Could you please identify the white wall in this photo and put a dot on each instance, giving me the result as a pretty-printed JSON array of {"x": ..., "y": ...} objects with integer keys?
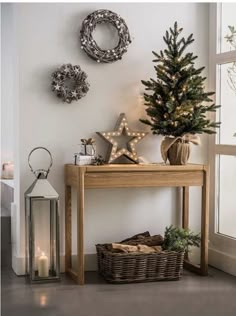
[
  {"x": 9, "y": 112},
  {"x": 7, "y": 85},
  {"x": 48, "y": 36}
]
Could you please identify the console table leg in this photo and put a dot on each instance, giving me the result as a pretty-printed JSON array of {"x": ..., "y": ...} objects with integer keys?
[
  {"x": 185, "y": 214},
  {"x": 68, "y": 230},
  {"x": 80, "y": 231},
  {"x": 185, "y": 211},
  {"x": 205, "y": 224}
]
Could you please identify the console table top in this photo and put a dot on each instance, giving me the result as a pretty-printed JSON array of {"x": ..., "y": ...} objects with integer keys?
[{"x": 138, "y": 167}]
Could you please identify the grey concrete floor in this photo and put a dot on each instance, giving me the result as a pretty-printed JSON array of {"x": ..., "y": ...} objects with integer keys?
[{"x": 193, "y": 295}]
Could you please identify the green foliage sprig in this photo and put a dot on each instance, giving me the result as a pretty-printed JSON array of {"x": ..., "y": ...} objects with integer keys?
[
  {"x": 176, "y": 102},
  {"x": 180, "y": 239},
  {"x": 230, "y": 37},
  {"x": 98, "y": 161}
]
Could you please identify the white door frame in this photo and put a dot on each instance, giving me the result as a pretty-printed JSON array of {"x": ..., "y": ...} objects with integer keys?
[{"x": 222, "y": 249}]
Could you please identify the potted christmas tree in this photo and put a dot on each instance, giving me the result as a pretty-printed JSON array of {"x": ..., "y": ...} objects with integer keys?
[{"x": 176, "y": 101}]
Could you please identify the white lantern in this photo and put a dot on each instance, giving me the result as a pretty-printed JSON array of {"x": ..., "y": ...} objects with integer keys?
[{"x": 42, "y": 227}]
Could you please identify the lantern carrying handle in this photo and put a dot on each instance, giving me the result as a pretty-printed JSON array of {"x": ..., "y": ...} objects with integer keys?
[{"x": 40, "y": 173}]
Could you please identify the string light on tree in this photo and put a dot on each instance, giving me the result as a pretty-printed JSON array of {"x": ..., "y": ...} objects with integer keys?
[{"x": 180, "y": 87}]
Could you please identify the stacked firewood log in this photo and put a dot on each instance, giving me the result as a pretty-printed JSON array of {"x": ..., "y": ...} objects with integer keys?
[{"x": 143, "y": 242}]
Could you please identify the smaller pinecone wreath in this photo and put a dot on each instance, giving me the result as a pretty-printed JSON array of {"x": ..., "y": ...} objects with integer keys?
[{"x": 78, "y": 85}]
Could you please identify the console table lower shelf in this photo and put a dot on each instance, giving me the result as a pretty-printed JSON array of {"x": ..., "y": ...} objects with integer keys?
[{"x": 135, "y": 176}]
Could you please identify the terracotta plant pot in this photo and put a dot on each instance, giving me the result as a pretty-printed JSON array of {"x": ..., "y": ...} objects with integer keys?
[{"x": 178, "y": 153}]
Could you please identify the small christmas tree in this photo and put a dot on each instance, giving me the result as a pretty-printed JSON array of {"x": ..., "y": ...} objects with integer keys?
[{"x": 176, "y": 105}]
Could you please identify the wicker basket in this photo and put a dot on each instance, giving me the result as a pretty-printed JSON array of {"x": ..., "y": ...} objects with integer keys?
[{"x": 139, "y": 267}]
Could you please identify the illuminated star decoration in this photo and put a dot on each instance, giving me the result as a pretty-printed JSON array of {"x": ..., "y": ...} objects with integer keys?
[{"x": 114, "y": 150}]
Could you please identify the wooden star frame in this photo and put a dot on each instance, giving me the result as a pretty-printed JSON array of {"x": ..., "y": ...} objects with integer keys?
[{"x": 122, "y": 128}]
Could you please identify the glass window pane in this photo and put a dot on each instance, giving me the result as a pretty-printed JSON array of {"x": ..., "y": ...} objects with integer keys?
[
  {"x": 228, "y": 27},
  {"x": 226, "y": 193},
  {"x": 226, "y": 95}
]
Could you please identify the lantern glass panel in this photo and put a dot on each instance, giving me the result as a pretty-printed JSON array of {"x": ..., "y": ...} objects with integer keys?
[
  {"x": 44, "y": 245},
  {"x": 27, "y": 222}
]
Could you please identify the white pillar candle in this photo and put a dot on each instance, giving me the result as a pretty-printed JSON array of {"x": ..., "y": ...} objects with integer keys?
[
  {"x": 43, "y": 266},
  {"x": 8, "y": 170}
]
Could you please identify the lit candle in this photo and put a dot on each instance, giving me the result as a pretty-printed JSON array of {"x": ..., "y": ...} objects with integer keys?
[
  {"x": 8, "y": 170},
  {"x": 43, "y": 266}
]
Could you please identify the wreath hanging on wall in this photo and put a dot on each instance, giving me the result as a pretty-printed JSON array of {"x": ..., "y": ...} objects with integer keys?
[
  {"x": 89, "y": 45},
  {"x": 69, "y": 83}
]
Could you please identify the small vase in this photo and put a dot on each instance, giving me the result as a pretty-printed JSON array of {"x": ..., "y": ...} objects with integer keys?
[{"x": 178, "y": 153}]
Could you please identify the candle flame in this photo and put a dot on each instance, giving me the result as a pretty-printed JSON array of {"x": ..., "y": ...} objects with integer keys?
[{"x": 43, "y": 253}]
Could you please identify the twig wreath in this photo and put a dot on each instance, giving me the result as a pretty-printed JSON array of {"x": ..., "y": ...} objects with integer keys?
[
  {"x": 69, "y": 83},
  {"x": 89, "y": 45}
]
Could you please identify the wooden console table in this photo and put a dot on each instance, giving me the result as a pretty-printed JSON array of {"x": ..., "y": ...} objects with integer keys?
[{"x": 135, "y": 176}]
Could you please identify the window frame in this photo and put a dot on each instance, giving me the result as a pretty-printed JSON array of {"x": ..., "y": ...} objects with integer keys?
[{"x": 223, "y": 243}]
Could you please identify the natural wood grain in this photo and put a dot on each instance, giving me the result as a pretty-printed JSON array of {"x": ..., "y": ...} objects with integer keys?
[
  {"x": 68, "y": 231},
  {"x": 143, "y": 167},
  {"x": 142, "y": 179},
  {"x": 80, "y": 219},
  {"x": 185, "y": 211},
  {"x": 205, "y": 223},
  {"x": 185, "y": 214},
  {"x": 111, "y": 176},
  {"x": 136, "y": 167},
  {"x": 71, "y": 175}
]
